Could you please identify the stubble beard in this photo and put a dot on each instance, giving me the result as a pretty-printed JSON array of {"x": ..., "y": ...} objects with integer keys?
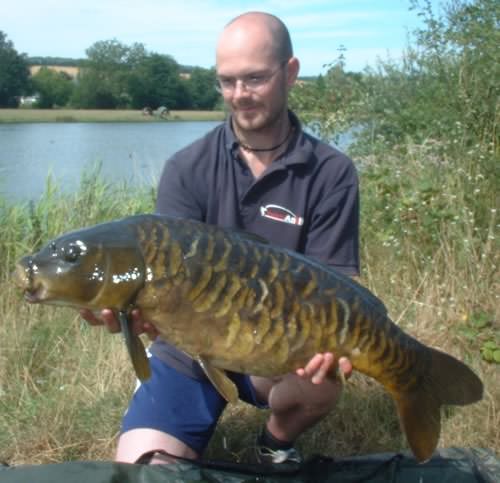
[
  {"x": 262, "y": 122},
  {"x": 269, "y": 111}
]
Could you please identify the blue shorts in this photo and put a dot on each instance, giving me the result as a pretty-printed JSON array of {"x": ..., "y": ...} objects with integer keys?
[{"x": 181, "y": 406}]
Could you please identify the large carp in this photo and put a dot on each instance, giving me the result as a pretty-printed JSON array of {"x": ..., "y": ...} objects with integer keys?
[{"x": 234, "y": 302}]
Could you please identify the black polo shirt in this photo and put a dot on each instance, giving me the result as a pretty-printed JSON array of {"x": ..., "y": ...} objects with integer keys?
[{"x": 307, "y": 200}]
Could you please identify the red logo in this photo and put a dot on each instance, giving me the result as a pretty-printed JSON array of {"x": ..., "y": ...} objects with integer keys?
[{"x": 278, "y": 213}]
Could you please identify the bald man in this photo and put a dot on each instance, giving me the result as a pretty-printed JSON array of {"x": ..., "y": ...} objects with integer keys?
[{"x": 259, "y": 172}]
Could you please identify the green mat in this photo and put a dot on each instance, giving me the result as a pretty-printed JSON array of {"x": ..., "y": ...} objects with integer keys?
[{"x": 454, "y": 465}]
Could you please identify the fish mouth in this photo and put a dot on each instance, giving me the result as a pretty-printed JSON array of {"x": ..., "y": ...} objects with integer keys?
[
  {"x": 31, "y": 298},
  {"x": 34, "y": 295},
  {"x": 32, "y": 287}
]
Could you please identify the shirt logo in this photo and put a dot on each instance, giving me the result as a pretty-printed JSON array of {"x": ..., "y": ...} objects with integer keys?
[{"x": 278, "y": 213}]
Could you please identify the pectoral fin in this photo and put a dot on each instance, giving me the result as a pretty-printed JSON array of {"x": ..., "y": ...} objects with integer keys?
[
  {"x": 135, "y": 348},
  {"x": 219, "y": 379}
]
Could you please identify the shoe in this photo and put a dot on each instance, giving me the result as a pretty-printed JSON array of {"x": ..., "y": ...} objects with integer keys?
[{"x": 280, "y": 456}]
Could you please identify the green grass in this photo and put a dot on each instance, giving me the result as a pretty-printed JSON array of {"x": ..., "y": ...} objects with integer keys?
[
  {"x": 64, "y": 385},
  {"x": 95, "y": 115}
]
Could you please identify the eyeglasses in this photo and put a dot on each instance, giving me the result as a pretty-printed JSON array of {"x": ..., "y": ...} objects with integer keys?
[{"x": 251, "y": 82}]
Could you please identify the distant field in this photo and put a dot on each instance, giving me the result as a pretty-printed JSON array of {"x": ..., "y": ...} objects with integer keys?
[
  {"x": 95, "y": 115},
  {"x": 70, "y": 70}
]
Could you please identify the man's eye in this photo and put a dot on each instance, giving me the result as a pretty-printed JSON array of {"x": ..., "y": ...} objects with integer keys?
[
  {"x": 254, "y": 80},
  {"x": 227, "y": 82}
]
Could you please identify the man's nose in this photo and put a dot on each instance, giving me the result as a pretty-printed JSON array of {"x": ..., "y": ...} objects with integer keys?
[{"x": 240, "y": 89}]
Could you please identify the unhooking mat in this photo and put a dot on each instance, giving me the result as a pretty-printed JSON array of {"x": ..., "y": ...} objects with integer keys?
[{"x": 452, "y": 465}]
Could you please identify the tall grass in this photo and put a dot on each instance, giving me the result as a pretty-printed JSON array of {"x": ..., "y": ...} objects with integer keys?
[
  {"x": 65, "y": 385},
  {"x": 62, "y": 385}
]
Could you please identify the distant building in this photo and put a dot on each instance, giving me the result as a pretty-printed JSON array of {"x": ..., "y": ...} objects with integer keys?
[{"x": 29, "y": 101}]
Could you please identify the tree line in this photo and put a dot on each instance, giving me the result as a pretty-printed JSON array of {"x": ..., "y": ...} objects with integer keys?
[
  {"x": 112, "y": 76},
  {"x": 446, "y": 81}
]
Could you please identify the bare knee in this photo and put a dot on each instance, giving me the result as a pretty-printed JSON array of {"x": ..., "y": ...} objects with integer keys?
[
  {"x": 134, "y": 443},
  {"x": 294, "y": 392}
]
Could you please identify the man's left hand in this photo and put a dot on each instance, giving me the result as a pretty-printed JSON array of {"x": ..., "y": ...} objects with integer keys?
[{"x": 318, "y": 367}]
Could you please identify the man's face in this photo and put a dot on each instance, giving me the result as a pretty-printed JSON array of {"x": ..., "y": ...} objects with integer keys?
[{"x": 254, "y": 83}]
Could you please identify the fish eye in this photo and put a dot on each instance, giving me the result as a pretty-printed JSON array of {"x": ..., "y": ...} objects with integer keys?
[{"x": 72, "y": 253}]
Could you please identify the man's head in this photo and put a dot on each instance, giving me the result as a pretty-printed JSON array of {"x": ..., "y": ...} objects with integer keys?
[{"x": 256, "y": 69}]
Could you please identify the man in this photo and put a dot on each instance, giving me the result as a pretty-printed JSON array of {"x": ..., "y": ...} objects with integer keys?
[{"x": 261, "y": 173}]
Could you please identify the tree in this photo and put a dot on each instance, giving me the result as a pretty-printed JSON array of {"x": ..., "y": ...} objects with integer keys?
[
  {"x": 447, "y": 83},
  {"x": 92, "y": 92},
  {"x": 468, "y": 33},
  {"x": 54, "y": 88},
  {"x": 155, "y": 81},
  {"x": 118, "y": 76},
  {"x": 201, "y": 87},
  {"x": 14, "y": 73},
  {"x": 103, "y": 80},
  {"x": 326, "y": 103}
]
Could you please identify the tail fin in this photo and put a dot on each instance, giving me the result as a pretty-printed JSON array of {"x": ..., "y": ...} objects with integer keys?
[
  {"x": 453, "y": 381},
  {"x": 448, "y": 381}
]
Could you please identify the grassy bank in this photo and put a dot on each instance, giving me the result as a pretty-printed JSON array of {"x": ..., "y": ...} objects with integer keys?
[
  {"x": 95, "y": 115},
  {"x": 429, "y": 250}
]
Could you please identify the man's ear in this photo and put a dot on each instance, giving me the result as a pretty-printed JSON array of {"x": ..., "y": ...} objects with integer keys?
[{"x": 292, "y": 70}]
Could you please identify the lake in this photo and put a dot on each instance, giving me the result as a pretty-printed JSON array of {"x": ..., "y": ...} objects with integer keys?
[
  {"x": 132, "y": 152},
  {"x": 135, "y": 152}
]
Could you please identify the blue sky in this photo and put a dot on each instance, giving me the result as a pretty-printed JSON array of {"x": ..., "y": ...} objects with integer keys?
[{"x": 188, "y": 29}]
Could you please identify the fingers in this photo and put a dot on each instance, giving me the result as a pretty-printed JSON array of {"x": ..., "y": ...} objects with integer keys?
[
  {"x": 317, "y": 368},
  {"x": 320, "y": 365},
  {"x": 140, "y": 326},
  {"x": 106, "y": 317},
  {"x": 110, "y": 321},
  {"x": 345, "y": 367},
  {"x": 89, "y": 317}
]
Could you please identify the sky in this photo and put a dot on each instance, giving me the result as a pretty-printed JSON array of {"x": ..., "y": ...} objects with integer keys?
[{"x": 188, "y": 29}]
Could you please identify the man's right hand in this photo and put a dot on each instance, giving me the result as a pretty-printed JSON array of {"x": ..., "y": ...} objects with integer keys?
[{"x": 108, "y": 319}]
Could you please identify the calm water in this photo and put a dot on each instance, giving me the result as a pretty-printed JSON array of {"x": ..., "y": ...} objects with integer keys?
[{"x": 135, "y": 152}]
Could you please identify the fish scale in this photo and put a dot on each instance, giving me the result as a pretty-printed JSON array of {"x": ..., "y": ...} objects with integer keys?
[
  {"x": 234, "y": 302},
  {"x": 206, "y": 291}
]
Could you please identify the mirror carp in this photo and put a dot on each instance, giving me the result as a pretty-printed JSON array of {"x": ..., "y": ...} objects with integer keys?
[{"x": 234, "y": 302}]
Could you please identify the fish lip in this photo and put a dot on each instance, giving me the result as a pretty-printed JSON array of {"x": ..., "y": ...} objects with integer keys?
[
  {"x": 33, "y": 295},
  {"x": 31, "y": 298}
]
